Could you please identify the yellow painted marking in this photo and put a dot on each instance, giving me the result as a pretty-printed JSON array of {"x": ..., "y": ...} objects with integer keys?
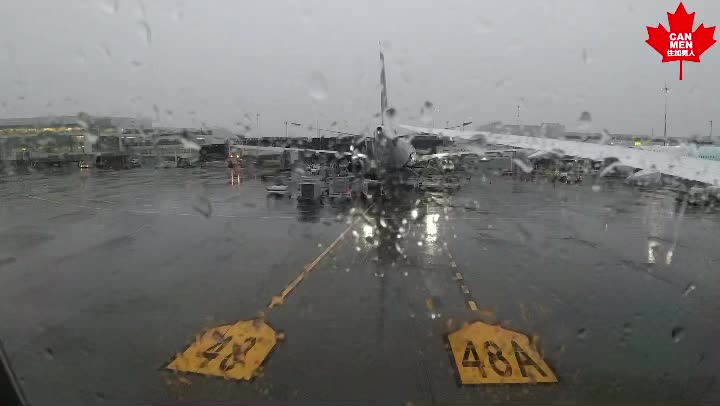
[
  {"x": 486, "y": 354},
  {"x": 280, "y": 299},
  {"x": 232, "y": 351},
  {"x": 465, "y": 289},
  {"x": 458, "y": 276},
  {"x": 472, "y": 305}
]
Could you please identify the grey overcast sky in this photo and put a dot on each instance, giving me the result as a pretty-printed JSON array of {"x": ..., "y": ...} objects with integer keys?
[{"x": 214, "y": 62}]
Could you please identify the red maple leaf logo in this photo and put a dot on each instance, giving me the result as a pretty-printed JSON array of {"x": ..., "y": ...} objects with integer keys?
[{"x": 681, "y": 43}]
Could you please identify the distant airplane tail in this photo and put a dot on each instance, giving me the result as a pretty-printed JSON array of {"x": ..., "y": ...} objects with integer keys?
[{"x": 383, "y": 88}]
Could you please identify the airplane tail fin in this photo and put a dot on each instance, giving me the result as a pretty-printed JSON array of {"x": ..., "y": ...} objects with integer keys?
[{"x": 383, "y": 88}]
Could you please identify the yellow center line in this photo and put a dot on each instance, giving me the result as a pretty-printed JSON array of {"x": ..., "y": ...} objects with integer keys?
[{"x": 280, "y": 299}]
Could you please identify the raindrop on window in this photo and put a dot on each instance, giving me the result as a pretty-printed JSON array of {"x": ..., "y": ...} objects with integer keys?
[
  {"x": 582, "y": 334},
  {"x": 106, "y": 51},
  {"x": 49, "y": 353},
  {"x": 109, "y": 6},
  {"x": 145, "y": 32},
  {"x": 689, "y": 289},
  {"x": 586, "y": 57},
  {"x": 606, "y": 137},
  {"x": 525, "y": 167},
  {"x": 585, "y": 121},
  {"x": 80, "y": 57},
  {"x": 141, "y": 9},
  {"x": 677, "y": 333},
  {"x": 596, "y": 188},
  {"x": 482, "y": 26},
  {"x": 306, "y": 15},
  {"x": 317, "y": 86},
  {"x": 202, "y": 205}
]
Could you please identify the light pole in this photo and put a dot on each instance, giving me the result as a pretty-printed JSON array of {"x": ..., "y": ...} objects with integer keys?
[
  {"x": 435, "y": 110},
  {"x": 666, "y": 90},
  {"x": 286, "y": 127}
]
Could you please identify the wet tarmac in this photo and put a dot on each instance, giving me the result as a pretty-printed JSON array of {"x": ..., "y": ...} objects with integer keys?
[{"x": 105, "y": 276}]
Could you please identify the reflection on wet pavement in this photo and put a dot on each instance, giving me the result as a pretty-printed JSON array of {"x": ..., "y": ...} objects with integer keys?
[{"x": 117, "y": 274}]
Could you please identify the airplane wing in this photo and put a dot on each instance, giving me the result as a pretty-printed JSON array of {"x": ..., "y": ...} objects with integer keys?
[
  {"x": 278, "y": 150},
  {"x": 686, "y": 167}
]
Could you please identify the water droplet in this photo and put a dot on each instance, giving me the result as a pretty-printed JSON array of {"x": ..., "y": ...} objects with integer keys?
[
  {"x": 606, "y": 137},
  {"x": 677, "y": 333},
  {"x": 689, "y": 289},
  {"x": 482, "y": 26},
  {"x": 145, "y": 32},
  {"x": 585, "y": 121},
  {"x": 627, "y": 328},
  {"x": 390, "y": 113},
  {"x": 582, "y": 334},
  {"x": 80, "y": 57},
  {"x": 49, "y": 353},
  {"x": 141, "y": 11},
  {"x": 202, "y": 205},
  {"x": 427, "y": 105},
  {"x": 109, "y": 6},
  {"x": 527, "y": 168},
  {"x": 320, "y": 245},
  {"x": 136, "y": 64},
  {"x": 318, "y": 87},
  {"x": 586, "y": 57},
  {"x": 99, "y": 396},
  {"x": 419, "y": 243},
  {"x": 357, "y": 248},
  {"x": 188, "y": 144},
  {"x": 106, "y": 51},
  {"x": 405, "y": 273},
  {"x": 596, "y": 188},
  {"x": 306, "y": 15},
  {"x": 414, "y": 214}
]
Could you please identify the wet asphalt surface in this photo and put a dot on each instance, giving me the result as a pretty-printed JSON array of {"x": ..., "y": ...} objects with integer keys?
[{"x": 105, "y": 276}]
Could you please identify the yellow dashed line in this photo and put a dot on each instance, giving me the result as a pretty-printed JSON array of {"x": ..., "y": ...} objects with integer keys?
[{"x": 472, "y": 305}]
